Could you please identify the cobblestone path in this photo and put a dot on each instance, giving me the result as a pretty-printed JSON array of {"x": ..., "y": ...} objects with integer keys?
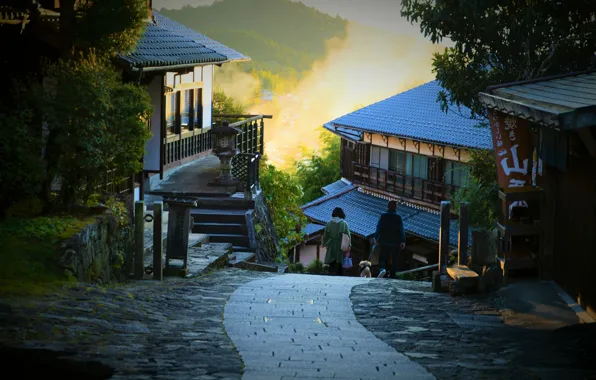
[
  {"x": 300, "y": 326},
  {"x": 438, "y": 331},
  {"x": 147, "y": 330}
]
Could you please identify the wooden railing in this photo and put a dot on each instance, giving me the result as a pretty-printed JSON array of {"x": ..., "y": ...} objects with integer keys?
[
  {"x": 252, "y": 138},
  {"x": 187, "y": 146},
  {"x": 115, "y": 182},
  {"x": 401, "y": 184}
]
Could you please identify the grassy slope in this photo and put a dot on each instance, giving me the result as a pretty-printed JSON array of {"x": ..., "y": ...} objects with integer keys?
[
  {"x": 276, "y": 34},
  {"x": 29, "y": 255}
]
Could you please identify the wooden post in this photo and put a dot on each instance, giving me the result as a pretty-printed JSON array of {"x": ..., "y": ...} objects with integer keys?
[
  {"x": 139, "y": 266},
  {"x": 158, "y": 241},
  {"x": 444, "y": 236},
  {"x": 462, "y": 241},
  {"x": 318, "y": 250}
]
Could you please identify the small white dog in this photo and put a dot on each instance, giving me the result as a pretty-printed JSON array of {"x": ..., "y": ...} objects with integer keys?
[{"x": 365, "y": 268}]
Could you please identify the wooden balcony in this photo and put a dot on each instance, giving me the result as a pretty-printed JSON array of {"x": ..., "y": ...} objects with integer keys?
[
  {"x": 401, "y": 184},
  {"x": 191, "y": 144}
]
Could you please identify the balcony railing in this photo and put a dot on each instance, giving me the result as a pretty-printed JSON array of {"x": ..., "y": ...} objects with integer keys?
[
  {"x": 401, "y": 184},
  {"x": 252, "y": 138},
  {"x": 186, "y": 146}
]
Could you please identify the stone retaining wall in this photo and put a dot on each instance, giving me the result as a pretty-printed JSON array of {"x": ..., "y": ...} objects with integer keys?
[
  {"x": 97, "y": 253},
  {"x": 265, "y": 237}
]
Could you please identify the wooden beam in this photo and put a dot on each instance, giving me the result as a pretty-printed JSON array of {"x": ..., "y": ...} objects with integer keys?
[
  {"x": 416, "y": 145},
  {"x": 431, "y": 147},
  {"x": 587, "y": 137},
  {"x": 441, "y": 150},
  {"x": 444, "y": 235},
  {"x": 402, "y": 142},
  {"x": 462, "y": 240}
]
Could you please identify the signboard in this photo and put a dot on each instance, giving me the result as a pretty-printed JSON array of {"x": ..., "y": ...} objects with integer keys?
[{"x": 512, "y": 142}]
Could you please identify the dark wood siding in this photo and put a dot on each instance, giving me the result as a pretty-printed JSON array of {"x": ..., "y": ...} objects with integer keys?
[{"x": 570, "y": 226}]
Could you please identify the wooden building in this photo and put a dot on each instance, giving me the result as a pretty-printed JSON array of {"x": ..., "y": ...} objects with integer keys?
[
  {"x": 404, "y": 148},
  {"x": 176, "y": 64},
  {"x": 556, "y": 159}
]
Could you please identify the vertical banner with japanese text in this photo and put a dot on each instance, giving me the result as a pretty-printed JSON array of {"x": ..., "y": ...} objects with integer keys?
[{"x": 512, "y": 143}]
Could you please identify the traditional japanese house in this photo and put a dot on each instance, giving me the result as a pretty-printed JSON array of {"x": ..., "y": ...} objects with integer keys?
[
  {"x": 404, "y": 148},
  {"x": 176, "y": 64},
  {"x": 545, "y": 136}
]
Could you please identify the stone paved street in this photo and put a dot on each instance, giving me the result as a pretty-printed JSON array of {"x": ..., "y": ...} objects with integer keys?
[
  {"x": 148, "y": 330},
  {"x": 300, "y": 326},
  {"x": 438, "y": 332},
  {"x": 282, "y": 326}
]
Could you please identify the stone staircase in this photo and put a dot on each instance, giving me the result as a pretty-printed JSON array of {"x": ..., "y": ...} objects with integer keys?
[{"x": 224, "y": 220}]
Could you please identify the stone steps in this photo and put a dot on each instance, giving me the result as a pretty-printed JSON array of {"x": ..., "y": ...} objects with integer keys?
[
  {"x": 210, "y": 215},
  {"x": 225, "y": 203},
  {"x": 222, "y": 228},
  {"x": 234, "y": 239}
]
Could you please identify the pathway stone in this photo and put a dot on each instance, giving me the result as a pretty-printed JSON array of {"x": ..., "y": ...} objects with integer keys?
[
  {"x": 146, "y": 330},
  {"x": 466, "y": 337},
  {"x": 301, "y": 326}
]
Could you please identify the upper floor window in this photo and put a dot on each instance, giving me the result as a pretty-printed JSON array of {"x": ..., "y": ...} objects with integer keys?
[
  {"x": 456, "y": 173},
  {"x": 410, "y": 164},
  {"x": 189, "y": 99}
]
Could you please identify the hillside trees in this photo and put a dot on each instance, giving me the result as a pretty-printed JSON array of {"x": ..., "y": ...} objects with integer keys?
[{"x": 319, "y": 168}]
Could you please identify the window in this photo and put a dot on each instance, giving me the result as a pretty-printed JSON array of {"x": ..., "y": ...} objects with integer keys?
[
  {"x": 456, "y": 173},
  {"x": 420, "y": 166},
  {"x": 185, "y": 114},
  {"x": 410, "y": 164},
  {"x": 170, "y": 109},
  {"x": 375, "y": 156},
  {"x": 398, "y": 161}
]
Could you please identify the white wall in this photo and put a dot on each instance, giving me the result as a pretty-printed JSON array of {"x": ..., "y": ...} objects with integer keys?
[
  {"x": 151, "y": 159},
  {"x": 207, "y": 95}
]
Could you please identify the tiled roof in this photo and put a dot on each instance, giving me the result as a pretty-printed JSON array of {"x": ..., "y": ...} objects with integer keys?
[
  {"x": 337, "y": 186},
  {"x": 416, "y": 114},
  {"x": 363, "y": 211},
  {"x": 167, "y": 43},
  {"x": 346, "y": 133},
  {"x": 199, "y": 38},
  {"x": 312, "y": 228},
  {"x": 551, "y": 102}
]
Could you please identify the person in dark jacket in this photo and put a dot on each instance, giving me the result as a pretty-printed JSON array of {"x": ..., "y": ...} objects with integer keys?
[{"x": 391, "y": 238}]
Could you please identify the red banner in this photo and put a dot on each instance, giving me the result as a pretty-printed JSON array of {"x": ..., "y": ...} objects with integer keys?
[{"x": 512, "y": 144}]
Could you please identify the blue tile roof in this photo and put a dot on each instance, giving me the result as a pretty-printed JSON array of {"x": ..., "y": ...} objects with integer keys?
[
  {"x": 199, "y": 38},
  {"x": 337, "y": 186},
  {"x": 167, "y": 43},
  {"x": 312, "y": 228},
  {"x": 346, "y": 133},
  {"x": 363, "y": 211},
  {"x": 416, "y": 114}
]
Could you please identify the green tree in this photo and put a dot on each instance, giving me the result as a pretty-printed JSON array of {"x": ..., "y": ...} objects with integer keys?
[
  {"x": 503, "y": 41},
  {"x": 321, "y": 168},
  {"x": 226, "y": 105},
  {"x": 95, "y": 123},
  {"x": 480, "y": 190},
  {"x": 107, "y": 27},
  {"x": 283, "y": 195}
]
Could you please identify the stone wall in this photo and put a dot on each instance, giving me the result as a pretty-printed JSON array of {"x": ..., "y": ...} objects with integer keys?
[
  {"x": 266, "y": 241},
  {"x": 96, "y": 254}
]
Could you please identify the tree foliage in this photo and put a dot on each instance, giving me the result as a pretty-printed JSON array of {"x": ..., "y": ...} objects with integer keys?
[
  {"x": 226, "y": 105},
  {"x": 95, "y": 123},
  {"x": 75, "y": 118},
  {"x": 503, "y": 41},
  {"x": 283, "y": 195},
  {"x": 110, "y": 26},
  {"x": 318, "y": 169},
  {"x": 480, "y": 191}
]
